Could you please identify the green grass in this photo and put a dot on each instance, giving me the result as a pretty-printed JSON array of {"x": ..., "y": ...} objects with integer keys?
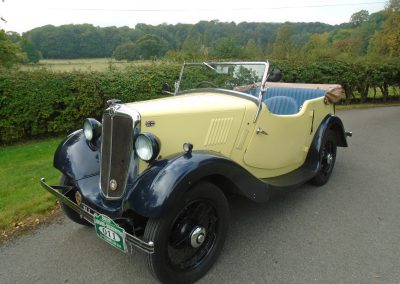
[
  {"x": 21, "y": 167},
  {"x": 85, "y": 65},
  {"x": 368, "y": 105}
]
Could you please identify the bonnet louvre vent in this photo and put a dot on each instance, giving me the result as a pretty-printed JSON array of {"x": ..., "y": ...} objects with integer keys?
[{"x": 218, "y": 131}]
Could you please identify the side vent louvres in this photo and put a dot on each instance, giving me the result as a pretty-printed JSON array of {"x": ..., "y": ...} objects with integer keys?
[{"x": 218, "y": 131}]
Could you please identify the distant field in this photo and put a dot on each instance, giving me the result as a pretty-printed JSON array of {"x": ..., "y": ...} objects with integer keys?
[{"x": 93, "y": 64}]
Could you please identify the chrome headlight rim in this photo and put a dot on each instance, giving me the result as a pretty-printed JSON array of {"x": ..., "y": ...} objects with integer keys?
[
  {"x": 91, "y": 129},
  {"x": 152, "y": 143}
]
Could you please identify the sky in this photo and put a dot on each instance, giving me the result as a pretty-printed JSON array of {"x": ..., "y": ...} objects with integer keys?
[{"x": 24, "y": 15}]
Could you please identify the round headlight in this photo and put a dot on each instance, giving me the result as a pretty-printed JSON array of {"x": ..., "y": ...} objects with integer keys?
[
  {"x": 91, "y": 129},
  {"x": 147, "y": 146}
]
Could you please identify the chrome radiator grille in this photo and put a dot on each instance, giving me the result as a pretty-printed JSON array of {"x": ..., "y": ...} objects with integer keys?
[{"x": 116, "y": 153}]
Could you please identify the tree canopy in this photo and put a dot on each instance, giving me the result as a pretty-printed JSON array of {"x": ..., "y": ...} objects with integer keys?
[{"x": 365, "y": 35}]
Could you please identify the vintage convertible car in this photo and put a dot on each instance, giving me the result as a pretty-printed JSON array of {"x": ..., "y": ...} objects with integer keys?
[{"x": 155, "y": 175}]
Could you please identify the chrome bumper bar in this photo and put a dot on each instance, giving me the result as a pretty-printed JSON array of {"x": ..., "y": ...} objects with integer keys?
[{"x": 88, "y": 214}]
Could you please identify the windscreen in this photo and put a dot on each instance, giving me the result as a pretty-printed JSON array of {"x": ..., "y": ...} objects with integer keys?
[{"x": 230, "y": 76}]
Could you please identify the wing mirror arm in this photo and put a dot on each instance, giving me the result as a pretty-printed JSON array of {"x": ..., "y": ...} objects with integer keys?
[{"x": 166, "y": 90}]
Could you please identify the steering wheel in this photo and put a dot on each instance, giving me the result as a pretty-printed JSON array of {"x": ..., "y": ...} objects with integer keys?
[{"x": 206, "y": 82}]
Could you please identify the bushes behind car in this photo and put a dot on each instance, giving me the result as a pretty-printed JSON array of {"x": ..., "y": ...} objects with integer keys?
[{"x": 44, "y": 103}]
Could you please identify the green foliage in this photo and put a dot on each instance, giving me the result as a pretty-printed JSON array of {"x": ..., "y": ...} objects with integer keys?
[
  {"x": 225, "y": 48},
  {"x": 147, "y": 47},
  {"x": 126, "y": 51},
  {"x": 9, "y": 51},
  {"x": 387, "y": 41},
  {"x": 150, "y": 46},
  {"x": 284, "y": 46},
  {"x": 393, "y": 5},
  {"x": 33, "y": 55},
  {"x": 88, "y": 41},
  {"x": 359, "y": 17},
  {"x": 43, "y": 103}
]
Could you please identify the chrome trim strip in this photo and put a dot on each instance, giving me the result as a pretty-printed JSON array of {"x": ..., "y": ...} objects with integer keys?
[
  {"x": 111, "y": 152},
  {"x": 88, "y": 215}
]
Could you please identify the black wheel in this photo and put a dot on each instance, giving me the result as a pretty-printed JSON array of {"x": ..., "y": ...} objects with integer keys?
[
  {"x": 71, "y": 214},
  {"x": 328, "y": 158},
  {"x": 188, "y": 240},
  {"x": 206, "y": 83}
]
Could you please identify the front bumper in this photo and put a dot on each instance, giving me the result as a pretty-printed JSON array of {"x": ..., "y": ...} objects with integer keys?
[{"x": 88, "y": 214}]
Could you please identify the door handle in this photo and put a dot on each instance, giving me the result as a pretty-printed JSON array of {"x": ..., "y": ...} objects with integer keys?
[{"x": 261, "y": 131}]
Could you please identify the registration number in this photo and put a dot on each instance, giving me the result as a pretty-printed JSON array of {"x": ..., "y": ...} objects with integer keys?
[{"x": 110, "y": 232}]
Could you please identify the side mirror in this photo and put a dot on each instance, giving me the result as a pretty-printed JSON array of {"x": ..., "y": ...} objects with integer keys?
[
  {"x": 166, "y": 90},
  {"x": 275, "y": 75}
]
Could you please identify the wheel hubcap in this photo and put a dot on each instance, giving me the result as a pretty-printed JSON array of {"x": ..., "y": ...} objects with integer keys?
[
  {"x": 197, "y": 236},
  {"x": 329, "y": 159}
]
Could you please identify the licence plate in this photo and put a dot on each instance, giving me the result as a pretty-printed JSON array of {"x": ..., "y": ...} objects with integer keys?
[{"x": 110, "y": 232}]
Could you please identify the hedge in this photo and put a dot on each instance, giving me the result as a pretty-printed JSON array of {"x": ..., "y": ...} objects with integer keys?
[{"x": 44, "y": 103}]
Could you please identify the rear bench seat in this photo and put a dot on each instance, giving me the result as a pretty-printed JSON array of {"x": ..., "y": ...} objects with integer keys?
[{"x": 286, "y": 101}]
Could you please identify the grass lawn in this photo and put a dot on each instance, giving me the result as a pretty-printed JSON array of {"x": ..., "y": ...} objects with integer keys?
[
  {"x": 85, "y": 65},
  {"x": 21, "y": 167}
]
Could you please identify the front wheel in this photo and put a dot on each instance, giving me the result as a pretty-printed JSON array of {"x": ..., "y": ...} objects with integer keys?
[
  {"x": 327, "y": 161},
  {"x": 189, "y": 238}
]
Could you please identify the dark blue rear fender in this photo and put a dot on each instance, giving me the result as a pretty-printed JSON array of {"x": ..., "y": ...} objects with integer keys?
[
  {"x": 335, "y": 124},
  {"x": 158, "y": 187},
  {"x": 75, "y": 158}
]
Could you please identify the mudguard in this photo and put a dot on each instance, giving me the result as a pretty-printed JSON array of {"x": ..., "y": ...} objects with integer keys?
[
  {"x": 312, "y": 163},
  {"x": 165, "y": 181},
  {"x": 76, "y": 158}
]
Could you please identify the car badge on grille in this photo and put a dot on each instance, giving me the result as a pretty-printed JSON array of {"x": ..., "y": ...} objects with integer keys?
[
  {"x": 150, "y": 123},
  {"x": 113, "y": 185},
  {"x": 78, "y": 198}
]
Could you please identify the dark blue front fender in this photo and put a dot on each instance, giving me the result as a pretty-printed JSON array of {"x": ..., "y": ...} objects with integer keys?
[
  {"x": 165, "y": 181},
  {"x": 75, "y": 158}
]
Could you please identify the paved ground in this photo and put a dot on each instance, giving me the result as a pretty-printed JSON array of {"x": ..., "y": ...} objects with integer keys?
[{"x": 345, "y": 232}]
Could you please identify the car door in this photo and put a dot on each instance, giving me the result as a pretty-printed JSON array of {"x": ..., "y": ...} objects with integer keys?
[{"x": 279, "y": 141}]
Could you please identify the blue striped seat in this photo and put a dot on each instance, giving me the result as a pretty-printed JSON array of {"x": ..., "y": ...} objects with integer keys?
[
  {"x": 300, "y": 95},
  {"x": 282, "y": 105}
]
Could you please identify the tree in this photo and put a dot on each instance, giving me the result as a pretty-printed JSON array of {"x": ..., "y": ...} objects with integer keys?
[
  {"x": 225, "y": 47},
  {"x": 9, "y": 51},
  {"x": 318, "y": 47},
  {"x": 393, "y": 5},
  {"x": 32, "y": 54},
  {"x": 126, "y": 51},
  {"x": 283, "y": 46},
  {"x": 359, "y": 17},
  {"x": 252, "y": 50},
  {"x": 150, "y": 46},
  {"x": 387, "y": 41},
  {"x": 192, "y": 47}
]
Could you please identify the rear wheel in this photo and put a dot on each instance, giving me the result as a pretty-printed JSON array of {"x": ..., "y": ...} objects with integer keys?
[
  {"x": 328, "y": 158},
  {"x": 188, "y": 240},
  {"x": 71, "y": 214}
]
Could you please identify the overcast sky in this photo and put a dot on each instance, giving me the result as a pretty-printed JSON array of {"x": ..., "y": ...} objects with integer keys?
[{"x": 23, "y": 15}]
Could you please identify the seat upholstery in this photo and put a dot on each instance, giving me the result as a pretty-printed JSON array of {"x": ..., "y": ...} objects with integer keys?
[
  {"x": 282, "y": 105},
  {"x": 300, "y": 95}
]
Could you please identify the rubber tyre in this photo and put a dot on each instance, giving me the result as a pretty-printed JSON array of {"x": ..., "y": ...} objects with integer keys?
[
  {"x": 158, "y": 231},
  {"x": 323, "y": 175},
  {"x": 71, "y": 214}
]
